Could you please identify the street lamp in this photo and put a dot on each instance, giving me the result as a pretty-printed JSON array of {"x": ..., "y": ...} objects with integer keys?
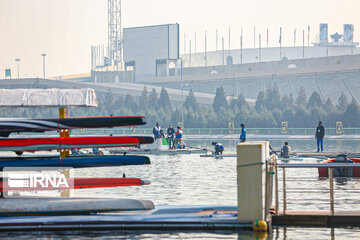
[
  {"x": 182, "y": 93},
  {"x": 43, "y": 55},
  {"x": 17, "y": 61}
]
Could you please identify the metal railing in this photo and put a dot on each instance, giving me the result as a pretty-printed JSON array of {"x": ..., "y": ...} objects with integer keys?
[
  {"x": 329, "y": 166},
  {"x": 216, "y": 131}
]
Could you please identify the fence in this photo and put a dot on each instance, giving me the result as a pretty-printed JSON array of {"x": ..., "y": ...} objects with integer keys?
[
  {"x": 217, "y": 131},
  {"x": 309, "y": 192}
]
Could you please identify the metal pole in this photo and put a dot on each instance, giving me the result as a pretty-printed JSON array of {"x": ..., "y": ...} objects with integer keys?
[
  {"x": 182, "y": 93},
  {"x": 303, "y": 44},
  {"x": 284, "y": 192},
  {"x": 216, "y": 39},
  {"x": 330, "y": 173},
  {"x": 17, "y": 61},
  {"x": 260, "y": 47},
  {"x": 223, "y": 51},
  {"x": 205, "y": 50},
  {"x": 43, "y": 55},
  {"x": 241, "y": 46},
  {"x": 277, "y": 190}
]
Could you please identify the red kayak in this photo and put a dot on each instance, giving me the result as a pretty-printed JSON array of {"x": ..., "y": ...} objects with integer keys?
[
  {"x": 38, "y": 144},
  {"x": 341, "y": 172},
  {"x": 79, "y": 183}
]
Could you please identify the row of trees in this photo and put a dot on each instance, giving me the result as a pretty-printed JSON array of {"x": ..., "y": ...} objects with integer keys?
[{"x": 269, "y": 110}]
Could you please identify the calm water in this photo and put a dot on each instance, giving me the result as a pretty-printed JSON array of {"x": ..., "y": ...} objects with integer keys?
[{"x": 192, "y": 180}]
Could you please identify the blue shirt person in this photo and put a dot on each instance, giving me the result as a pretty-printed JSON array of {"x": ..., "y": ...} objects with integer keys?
[{"x": 243, "y": 133}]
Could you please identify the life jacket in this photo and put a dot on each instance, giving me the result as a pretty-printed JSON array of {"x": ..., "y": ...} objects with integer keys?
[
  {"x": 219, "y": 147},
  {"x": 285, "y": 151},
  {"x": 179, "y": 133},
  {"x": 157, "y": 131}
]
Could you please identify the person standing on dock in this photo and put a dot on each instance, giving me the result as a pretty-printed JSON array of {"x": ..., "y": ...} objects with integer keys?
[
  {"x": 319, "y": 135},
  {"x": 157, "y": 131},
  {"x": 178, "y": 136},
  {"x": 171, "y": 136},
  {"x": 243, "y": 133}
]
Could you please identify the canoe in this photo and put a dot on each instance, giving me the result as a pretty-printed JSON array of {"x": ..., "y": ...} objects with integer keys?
[
  {"x": 75, "y": 161},
  {"x": 56, "y": 143},
  {"x": 69, "y": 206},
  {"x": 9, "y": 125},
  {"x": 341, "y": 172},
  {"x": 76, "y": 183}
]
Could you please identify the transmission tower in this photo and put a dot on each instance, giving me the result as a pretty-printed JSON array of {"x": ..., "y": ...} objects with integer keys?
[{"x": 114, "y": 31}]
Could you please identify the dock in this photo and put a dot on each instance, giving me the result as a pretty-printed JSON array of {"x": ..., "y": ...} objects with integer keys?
[
  {"x": 158, "y": 151},
  {"x": 161, "y": 218},
  {"x": 317, "y": 218}
]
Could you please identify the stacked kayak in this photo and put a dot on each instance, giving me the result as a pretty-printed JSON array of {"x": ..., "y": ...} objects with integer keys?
[{"x": 69, "y": 206}]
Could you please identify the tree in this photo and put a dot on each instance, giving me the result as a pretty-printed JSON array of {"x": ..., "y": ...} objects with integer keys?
[
  {"x": 301, "y": 98},
  {"x": 329, "y": 107},
  {"x": 153, "y": 98},
  {"x": 164, "y": 100},
  {"x": 272, "y": 97},
  {"x": 315, "y": 100},
  {"x": 352, "y": 114},
  {"x": 260, "y": 101},
  {"x": 109, "y": 100},
  {"x": 191, "y": 102},
  {"x": 343, "y": 103},
  {"x": 130, "y": 103},
  {"x": 220, "y": 101},
  {"x": 143, "y": 100}
]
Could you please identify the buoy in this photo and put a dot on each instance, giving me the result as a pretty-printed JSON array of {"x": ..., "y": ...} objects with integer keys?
[{"x": 259, "y": 226}]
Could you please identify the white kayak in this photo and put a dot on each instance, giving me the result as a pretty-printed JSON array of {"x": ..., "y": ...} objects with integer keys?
[{"x": 65, "y": 206}]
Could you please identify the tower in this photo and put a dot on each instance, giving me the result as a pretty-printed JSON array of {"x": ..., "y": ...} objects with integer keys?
[{"x": 114, "y": 32}]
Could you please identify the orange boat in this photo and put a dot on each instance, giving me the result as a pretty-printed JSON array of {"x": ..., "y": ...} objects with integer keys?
[{"x": 341, "y": 172}]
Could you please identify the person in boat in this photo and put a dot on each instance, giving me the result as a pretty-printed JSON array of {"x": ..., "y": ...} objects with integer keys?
[
  {"x": 178, "y": 135},
  {"x": 181, "y": 145},
  {"x": 319, "y": 136},
  {"x": 75, "y": 151},
  {"x": 219, "y": 148},
  {"x": 157, "y": 131},
  {"x": 243, "y": 133},
  {"x": 171, "y": 136},
  {"x": 285, "y": 150},
  {"x": 97, "y": 151}
]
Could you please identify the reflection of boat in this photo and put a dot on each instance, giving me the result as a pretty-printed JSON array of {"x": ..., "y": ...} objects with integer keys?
[{"x": 341, "y": 172}]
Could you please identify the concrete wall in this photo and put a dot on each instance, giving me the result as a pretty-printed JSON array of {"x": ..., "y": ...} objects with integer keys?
[
  {"x": 252, "y": 55},
  {"x": 277, "y": 68}
]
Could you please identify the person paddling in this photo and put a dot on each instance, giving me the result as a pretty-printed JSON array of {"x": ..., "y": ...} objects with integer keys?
[{"x": 285, "y": 150}]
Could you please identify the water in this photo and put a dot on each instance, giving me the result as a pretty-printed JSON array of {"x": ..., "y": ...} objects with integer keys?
[{"x": 192, "y": 180}]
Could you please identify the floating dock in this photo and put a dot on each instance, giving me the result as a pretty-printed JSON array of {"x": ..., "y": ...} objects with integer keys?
[
  {"x": 161, "y": 218},
  {"x": 158, "y": 151},
  {"x": 317, "y": 218}
]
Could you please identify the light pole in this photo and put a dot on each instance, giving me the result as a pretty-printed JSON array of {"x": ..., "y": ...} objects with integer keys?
[
  {"x": 17, "y": 61},
  {"x": 43, "y": 55},
  {"x": 182, "y": 93}
]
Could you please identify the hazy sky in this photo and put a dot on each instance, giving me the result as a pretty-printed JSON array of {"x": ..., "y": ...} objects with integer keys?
[{"x": 65, "y": 29}]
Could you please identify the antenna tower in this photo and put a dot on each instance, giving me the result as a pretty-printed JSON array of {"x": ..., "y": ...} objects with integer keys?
[{"x": 114, "y": 31}]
